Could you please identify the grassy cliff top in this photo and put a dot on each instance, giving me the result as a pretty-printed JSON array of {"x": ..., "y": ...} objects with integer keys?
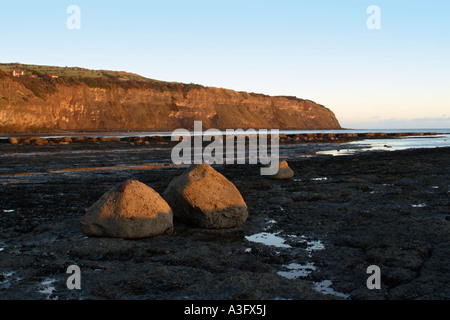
[
  {"x": 94, "y": 78},
  {"x": 30, "y": 69}
]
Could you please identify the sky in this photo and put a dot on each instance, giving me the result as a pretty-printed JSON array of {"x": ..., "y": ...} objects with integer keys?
[{"x": 381, "y": 69}]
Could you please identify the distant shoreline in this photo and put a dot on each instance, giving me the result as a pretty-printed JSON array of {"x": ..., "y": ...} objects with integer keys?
[{"x": 367, "y": 133}]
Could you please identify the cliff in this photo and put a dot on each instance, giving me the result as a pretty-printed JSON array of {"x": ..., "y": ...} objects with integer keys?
[{"x": 101, "y": 104}]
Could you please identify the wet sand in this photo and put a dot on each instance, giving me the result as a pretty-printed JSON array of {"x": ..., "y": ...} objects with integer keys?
[{"x": 311, "y": 237}]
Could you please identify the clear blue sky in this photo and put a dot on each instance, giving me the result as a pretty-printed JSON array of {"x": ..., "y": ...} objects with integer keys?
[{"x": 394, "y": 77}]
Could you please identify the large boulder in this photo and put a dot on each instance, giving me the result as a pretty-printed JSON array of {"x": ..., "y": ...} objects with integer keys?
[
  {"x": 130, "y": 210},
  {"x": 203, "y": 197},
  {"x": 284, "y": 172}
]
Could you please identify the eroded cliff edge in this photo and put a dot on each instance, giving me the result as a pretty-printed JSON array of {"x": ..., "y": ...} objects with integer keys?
[{"x": 81, "y": 104}]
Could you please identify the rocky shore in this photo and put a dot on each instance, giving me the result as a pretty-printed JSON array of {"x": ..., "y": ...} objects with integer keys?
[
  {"x": 312, "y": 236},
  {"x": 20, "y": 139}
]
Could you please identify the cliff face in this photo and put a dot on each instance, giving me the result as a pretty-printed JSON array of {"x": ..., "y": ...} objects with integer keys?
[{"x": 28, "y": 105}]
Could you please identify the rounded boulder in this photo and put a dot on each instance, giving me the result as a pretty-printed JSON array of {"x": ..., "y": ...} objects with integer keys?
[
  {"x": 130, "y": 210},
  {"x": 203, "y": 197},
  {"x": 284, "y": 172}
]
